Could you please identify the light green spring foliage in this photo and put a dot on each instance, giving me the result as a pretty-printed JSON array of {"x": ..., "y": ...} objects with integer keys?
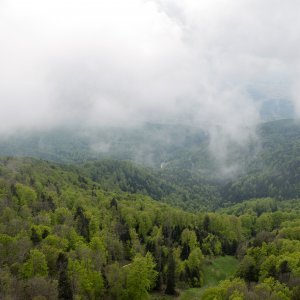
[
  {"x": 36, "y": 265},
  {"x": 194, "y": 265},
  {"x": 25, "y": 195},
  {"x": 211, "y": 245},
  {"x": 140, "y": 277},
  {"x": 189, "y": 238},
  {"x": 227, "y": 289},
  {"x": 134, "y": 280},
  {"x": 87, "y": 281},
  {"x": 115, "y": 245}
]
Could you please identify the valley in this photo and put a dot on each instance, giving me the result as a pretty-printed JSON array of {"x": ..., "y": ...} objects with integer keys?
[{"x": 115, "y": 229}]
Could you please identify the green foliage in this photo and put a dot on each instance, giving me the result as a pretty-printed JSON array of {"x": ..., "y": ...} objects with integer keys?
[
  {"x": 25, "y": 195},
  {"x": 36, "y": 265},
  {"x": 87, "y": 281},
  {"x": 218, "y": 269},
  {"x": 211, "y": 245},
  {"x": 188, "y": 237},
  {"x": 193, "y": 267},
  {"x": 227, "y": 289},
  {"x": 64, "y": 286},
  {"x": 63, "y": 236},
  {"x": 273, "y": 289},
  {"x": 185, "y": 173},
  {"x": 171, "y": 280},
  {"x": 82, "y": 223},
  {"x": 248, "y": 269},
  {"x": 179, "y": 188},
  {"x": 141, "y": 277}
]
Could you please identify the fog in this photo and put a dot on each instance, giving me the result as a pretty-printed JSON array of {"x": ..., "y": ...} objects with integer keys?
[{"x": 90, "y": 64}]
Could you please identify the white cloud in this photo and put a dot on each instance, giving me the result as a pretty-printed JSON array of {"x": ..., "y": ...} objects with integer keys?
[{"x": 121, "y": 62}]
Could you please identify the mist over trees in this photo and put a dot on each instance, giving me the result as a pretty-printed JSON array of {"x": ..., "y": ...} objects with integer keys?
[{"x": 149, "y": 150}]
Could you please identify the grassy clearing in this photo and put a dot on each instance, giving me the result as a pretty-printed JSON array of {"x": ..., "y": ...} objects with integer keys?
[
  {"x": 214, "y": 271},
  {"x": 191, "y": 294},
  {"x": 219, "y": 269}
]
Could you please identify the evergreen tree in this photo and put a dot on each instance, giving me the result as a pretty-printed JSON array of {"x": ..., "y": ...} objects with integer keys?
[
  {"x": 171, "y": 280},
  {"x": 82, "y": 224},
  {"x": 64, "y": 286},
  {"x": 206, "y": 223},
  {"x": 34, "y": 237}
]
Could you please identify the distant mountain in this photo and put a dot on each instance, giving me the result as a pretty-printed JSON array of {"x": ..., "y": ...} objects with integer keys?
[
  {"x": 149, "y": 145},
  {"x": 174, "y": 163},
  {"x": 275, "y": 170}
]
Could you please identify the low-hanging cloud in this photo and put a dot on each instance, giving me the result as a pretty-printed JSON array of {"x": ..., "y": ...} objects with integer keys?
[{"x": 100, "y": 63}]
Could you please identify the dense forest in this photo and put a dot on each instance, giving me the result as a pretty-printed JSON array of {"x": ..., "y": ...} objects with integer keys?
[
  {"x": 68, "y": 233},
  {"x": 176, "y": 160},
  {"x": 88, "y": 227},
  {"x": 149, "y": 150}
]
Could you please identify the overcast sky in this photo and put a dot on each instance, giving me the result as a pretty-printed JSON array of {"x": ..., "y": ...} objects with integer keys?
[{"x": 117, "y": 62}]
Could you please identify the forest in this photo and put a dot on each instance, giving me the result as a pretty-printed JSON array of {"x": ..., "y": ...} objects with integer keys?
[
  {"x": 177, "y": 161},
  {"x": 83, "y": 232},
  {"x": 149, "y": 150}
]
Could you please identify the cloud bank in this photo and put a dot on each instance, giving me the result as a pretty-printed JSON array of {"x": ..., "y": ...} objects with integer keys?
[{"x": 100, "y": 63}]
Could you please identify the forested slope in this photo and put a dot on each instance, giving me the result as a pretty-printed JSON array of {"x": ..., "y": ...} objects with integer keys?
[
  {"x": 275, "y": 171},
  {"x": 63, "y": 235},
  {"x": 174, "y": 163},
  {"x": 182, "y": 189},
  {"x": 149, "y": 144}
]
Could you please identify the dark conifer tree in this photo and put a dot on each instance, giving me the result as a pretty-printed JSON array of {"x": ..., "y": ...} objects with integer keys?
[
  {"x": 34, "y": 237},
  {"x": 82, "y": 224},
  {"x": 64, "y": 285},
  {"x": 170, "y": 289},
  {"x": 206, "y": 223}
]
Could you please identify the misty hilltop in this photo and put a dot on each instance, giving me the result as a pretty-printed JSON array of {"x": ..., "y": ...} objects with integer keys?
[
  {"x": 149, "y": 150},
  {"x": 105, "y": 64},
  {"x": 153, "y": 145},
  {"x": 167, "y": 160}
]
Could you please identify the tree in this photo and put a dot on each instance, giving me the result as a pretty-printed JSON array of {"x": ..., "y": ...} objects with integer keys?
[
  {"x": 64, "y": 285},
  {"x": 268, "y": 267},
  {"x": 193, "y": 267},
  {"x": 170, "y": 289},
  {"x": 6, "y": 280},
  {"x": 248, "y": 269},
  {"x": 26, "y": 195},
  {"x": 206, "y": 223},
  {"x": 228, "y": 289},
  {"x": 36, "y": 265},
  {"x": 82, "y": 224},
  {"x": 85, "y": 279},
  {"x": 35, "y": 238},
  {"x": 141, "y": 276},
  {"x": 189, "y": 242},
  {"x": 116, "y": 280},
  {"x": 211, "y": 245},
  {"x": 38, "y": 288},
  {"x": 273, "y": 289}
]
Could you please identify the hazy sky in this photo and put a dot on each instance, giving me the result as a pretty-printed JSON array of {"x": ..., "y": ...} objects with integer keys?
[{"x": 120, "y": 62}]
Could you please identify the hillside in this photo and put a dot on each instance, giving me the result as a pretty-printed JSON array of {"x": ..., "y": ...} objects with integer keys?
[
  {"x": 63, "y": 235},
  {"x": 182, "y": 189},
  {"x": 149, "y": 150},
  {"x": 149, "y": 145},
  {"x": 174, "y": 164},
  {"x": 275, "y": 171}
]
